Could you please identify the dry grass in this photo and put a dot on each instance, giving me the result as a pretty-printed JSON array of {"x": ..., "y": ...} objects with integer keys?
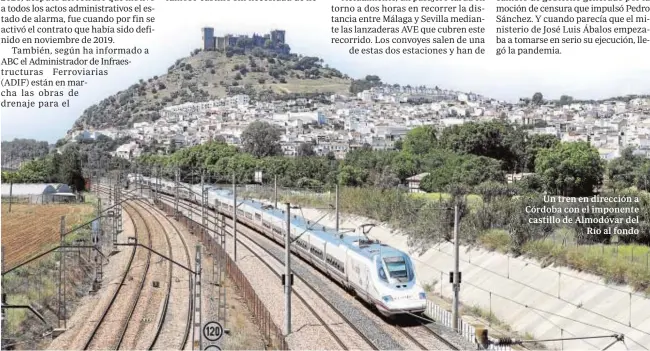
[
  {"x": 27, "y": 231},
  {"x": 30, "y": 229},
  {"x": 620, "y": 264},
  {"x": 244, "y": 333},
  {"x": 223, "y": 67}
]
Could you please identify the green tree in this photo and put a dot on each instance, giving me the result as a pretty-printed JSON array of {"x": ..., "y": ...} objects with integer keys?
[
  {"x": 535, "y": 143},
  {"x": 565, "y": 99},
  {"x": 306, "y": 149},
  {"x": 642, "y": 176},
  {"x": 538, "y": 98},
  {"x": 420, "y": 140},
  {"x": 620, "y": 171},
  {"x": 352, "y": 176},
  {"x": 71, "y": 168},
  {"x": 570, "y": 169},
  {"x": 262, "y": 139},
  {"x": 495, "y": 139}
]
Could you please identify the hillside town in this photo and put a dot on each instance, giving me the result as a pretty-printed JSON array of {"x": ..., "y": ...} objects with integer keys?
[{"x": 379, "y": 117}]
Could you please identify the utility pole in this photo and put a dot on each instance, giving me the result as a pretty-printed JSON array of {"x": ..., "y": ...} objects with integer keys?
[
  {"x": 204, "y": 205},
  {"x": 138, "y": 179},
  {"x": 11, "y": 190},
  {"x": 275, "y": 190},
  {"x": 118, "y": 200},
  {"x": 156, "y": 194},
  {"x": 456, "y": 277},
  {"x": 198, "y": 323},
  {"x": 4, "y": 298},
  {"x": 97, "y": 235},
  {"x": 62, "y": 279},
  {"x": 222, "y": 274},
  {"x": 177, "y": 176},
  {"x": 287, "y": 273},
  {"x": 234, "y": 214},
  {"x": 337, "y": 208}
]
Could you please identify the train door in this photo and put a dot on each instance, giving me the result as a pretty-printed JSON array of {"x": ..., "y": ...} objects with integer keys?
[{"x": 364, "y": 278}]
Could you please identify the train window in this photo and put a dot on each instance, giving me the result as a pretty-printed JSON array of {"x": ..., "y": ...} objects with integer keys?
[
  {"x": 318, "y": 253},
  {"x": 336, "y": 263},
  {"x": 381, "y": 272},
  {"x": 258, "y": 216},
  {"x": 398, "y": 268}
]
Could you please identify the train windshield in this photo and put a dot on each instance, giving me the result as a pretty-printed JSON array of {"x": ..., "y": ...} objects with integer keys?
[{"x": 399, "y": 268}]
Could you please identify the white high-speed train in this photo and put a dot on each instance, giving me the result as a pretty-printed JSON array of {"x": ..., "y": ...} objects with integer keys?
[{"x": 381, "y": 275}]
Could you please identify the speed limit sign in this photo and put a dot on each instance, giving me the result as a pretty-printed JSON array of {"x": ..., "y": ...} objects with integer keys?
[{"x": 213, "y": 331}]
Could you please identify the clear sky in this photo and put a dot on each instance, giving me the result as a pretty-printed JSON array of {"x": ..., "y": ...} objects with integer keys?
[{"x": 596, "y": 72}]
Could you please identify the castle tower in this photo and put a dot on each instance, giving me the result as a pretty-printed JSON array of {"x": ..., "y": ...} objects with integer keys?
[
  {"x": 277, "y": 36},
  {"x": 208, "y": 38}
]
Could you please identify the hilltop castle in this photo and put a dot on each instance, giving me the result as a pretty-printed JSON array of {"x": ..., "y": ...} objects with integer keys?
[{"x": 273, "y": 40}]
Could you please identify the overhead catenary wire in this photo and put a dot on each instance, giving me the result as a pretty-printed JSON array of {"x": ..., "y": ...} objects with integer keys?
[{"x": 414, "y": 211}]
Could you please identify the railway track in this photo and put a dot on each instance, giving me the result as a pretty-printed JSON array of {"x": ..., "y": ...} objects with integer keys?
[
  {"x": 104, "y": 329},
  {"x": 167, "y": 297},
  {"x": 334, "y": 330},
  {"x": 161, "y": 323},
  {"x": 330, "y": 328},
  {"x": 420, "y": 335}
]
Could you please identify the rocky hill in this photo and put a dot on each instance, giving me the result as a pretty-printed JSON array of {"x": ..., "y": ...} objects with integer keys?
[{"x": 207, "y": 75}]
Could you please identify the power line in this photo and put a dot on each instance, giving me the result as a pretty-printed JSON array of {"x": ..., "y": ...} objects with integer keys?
[
  {"x": 528, "y": 306},
  {"x": 543, "y": 292}
]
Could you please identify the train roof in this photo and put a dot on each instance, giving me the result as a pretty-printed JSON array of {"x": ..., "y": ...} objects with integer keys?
[{"x": 324, "y": 233}]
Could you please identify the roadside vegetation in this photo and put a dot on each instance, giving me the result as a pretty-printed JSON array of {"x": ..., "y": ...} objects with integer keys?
[
  {"x": 36, "y": 283},
  {"x": 467, "y": 166}
]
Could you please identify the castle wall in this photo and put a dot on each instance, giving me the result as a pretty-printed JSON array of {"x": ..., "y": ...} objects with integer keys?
[{"x": 221, "y": 43}]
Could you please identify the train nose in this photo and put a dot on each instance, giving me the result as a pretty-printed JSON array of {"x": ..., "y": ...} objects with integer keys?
[{"x": 408, "y": 303}]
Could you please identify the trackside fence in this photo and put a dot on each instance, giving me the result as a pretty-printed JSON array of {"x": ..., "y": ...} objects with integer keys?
[
  {"x": 465, "y": 329},
  {"x": 269, "y": 329}
]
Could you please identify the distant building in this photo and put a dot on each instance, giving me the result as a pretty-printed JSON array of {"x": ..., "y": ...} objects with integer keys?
[
  {"x": 208, "y": 38},
  {"x": 126, "y": 151},
  {"x": 37, "y": 193},
  {"x": 511, "y": 178},
  {"x": 414, "y": 183},
  {"x": 273, "y": 40}
]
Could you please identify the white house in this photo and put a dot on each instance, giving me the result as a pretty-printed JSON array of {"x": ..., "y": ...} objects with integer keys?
[
  {"x": 30, "y": 193},
  {"x": 414, "y": 183},
  {"x": 125, "y": 151}
]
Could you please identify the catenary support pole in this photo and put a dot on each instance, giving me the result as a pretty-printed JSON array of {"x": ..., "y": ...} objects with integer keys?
[
  {"x": 11, "y": 191},
  {"x": 456, "y": 276},
  {"x": 198, "y": 323},
  {"x": 4, "y": 296},
  {"x": 62, "y": 278},
  {"x": 223, "y": 273},
  {"x": 234, "y": 215},
  {"x": 97, "y": 242},
  {"x": 176, "y": 185},
  {"x": 337, "y": 208},
  {"x": 275, "y": 190},
  {"x": 287, "y": 273}
]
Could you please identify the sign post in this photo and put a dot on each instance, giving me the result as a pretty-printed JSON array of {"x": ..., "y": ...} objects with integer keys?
[{"x": 212, "y": 332}]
